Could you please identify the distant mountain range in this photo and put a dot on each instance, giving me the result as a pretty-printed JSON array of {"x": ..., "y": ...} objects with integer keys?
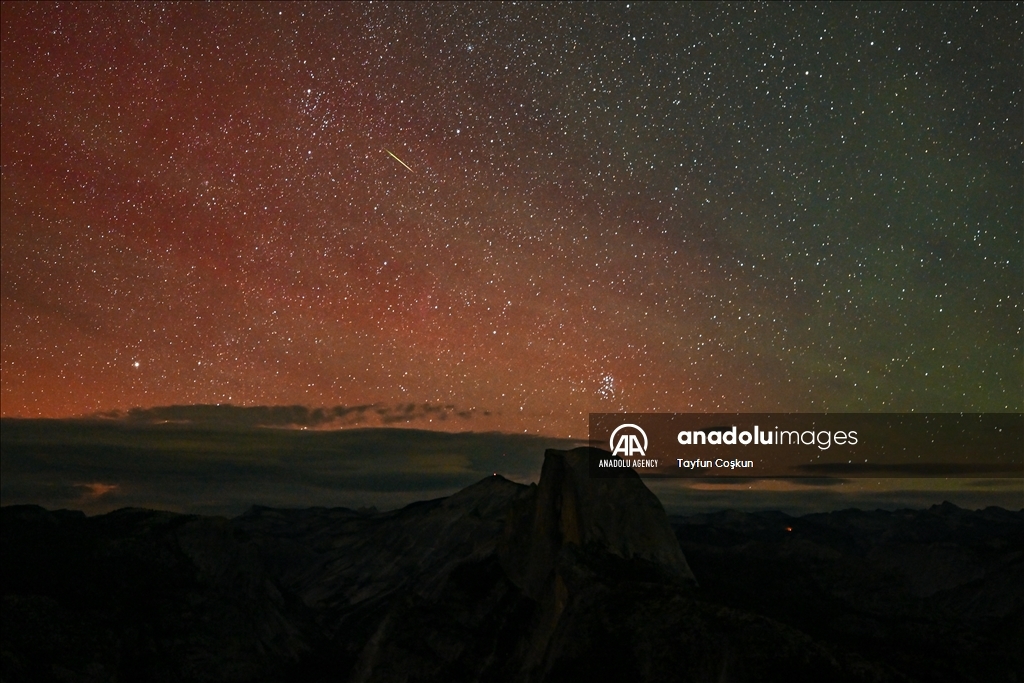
[{"x": 571, "y": 579}]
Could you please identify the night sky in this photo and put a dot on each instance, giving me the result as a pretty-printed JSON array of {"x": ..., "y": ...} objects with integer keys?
[{"x": 525, "y": 212}]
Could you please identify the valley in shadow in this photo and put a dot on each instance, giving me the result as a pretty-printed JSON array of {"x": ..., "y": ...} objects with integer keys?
[{"x": 569, "y": 579}]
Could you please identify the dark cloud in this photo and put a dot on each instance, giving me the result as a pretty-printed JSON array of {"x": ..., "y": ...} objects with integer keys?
[
  {"x": 732, "y": 482},
  {"x": 988, "y": 483},
  {"x": 182, "y": 458},
  {"x": 223, "y": 459},
  {"x": 824, "y": 499},
  {"x": 933, "y": 469}
]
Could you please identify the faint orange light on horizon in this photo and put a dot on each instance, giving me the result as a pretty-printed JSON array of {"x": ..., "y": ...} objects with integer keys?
[{"x": 98, "y": 489}]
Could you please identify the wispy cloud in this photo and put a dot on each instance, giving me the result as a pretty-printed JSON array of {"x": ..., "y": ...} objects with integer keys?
[{"x": 296, "y": 416}]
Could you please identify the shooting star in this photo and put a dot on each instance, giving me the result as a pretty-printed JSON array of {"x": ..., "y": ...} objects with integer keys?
[{"x": 398, "y": 160}]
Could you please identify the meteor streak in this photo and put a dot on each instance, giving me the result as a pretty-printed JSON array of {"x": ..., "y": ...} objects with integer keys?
[{"x": 398, "y": 160}]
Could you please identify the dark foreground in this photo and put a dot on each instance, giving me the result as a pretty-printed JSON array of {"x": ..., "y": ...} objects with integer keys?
[{"x": 571, "y": 579}]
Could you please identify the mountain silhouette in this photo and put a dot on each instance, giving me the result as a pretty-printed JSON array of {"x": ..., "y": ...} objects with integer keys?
[{"x": 573, "y": 578}]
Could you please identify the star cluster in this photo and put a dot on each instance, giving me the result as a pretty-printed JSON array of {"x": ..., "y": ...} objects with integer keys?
[{"x": 532, "y": 210}]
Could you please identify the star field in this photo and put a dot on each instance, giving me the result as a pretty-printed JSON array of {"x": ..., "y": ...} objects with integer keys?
[{"x": 532, "y": 210}]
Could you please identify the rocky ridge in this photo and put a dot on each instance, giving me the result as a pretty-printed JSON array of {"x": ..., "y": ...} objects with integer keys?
[{"x": 573, "y": 578}]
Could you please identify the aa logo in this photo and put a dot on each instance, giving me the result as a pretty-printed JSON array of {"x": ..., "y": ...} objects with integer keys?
[{"x": 628, "y": 445}]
